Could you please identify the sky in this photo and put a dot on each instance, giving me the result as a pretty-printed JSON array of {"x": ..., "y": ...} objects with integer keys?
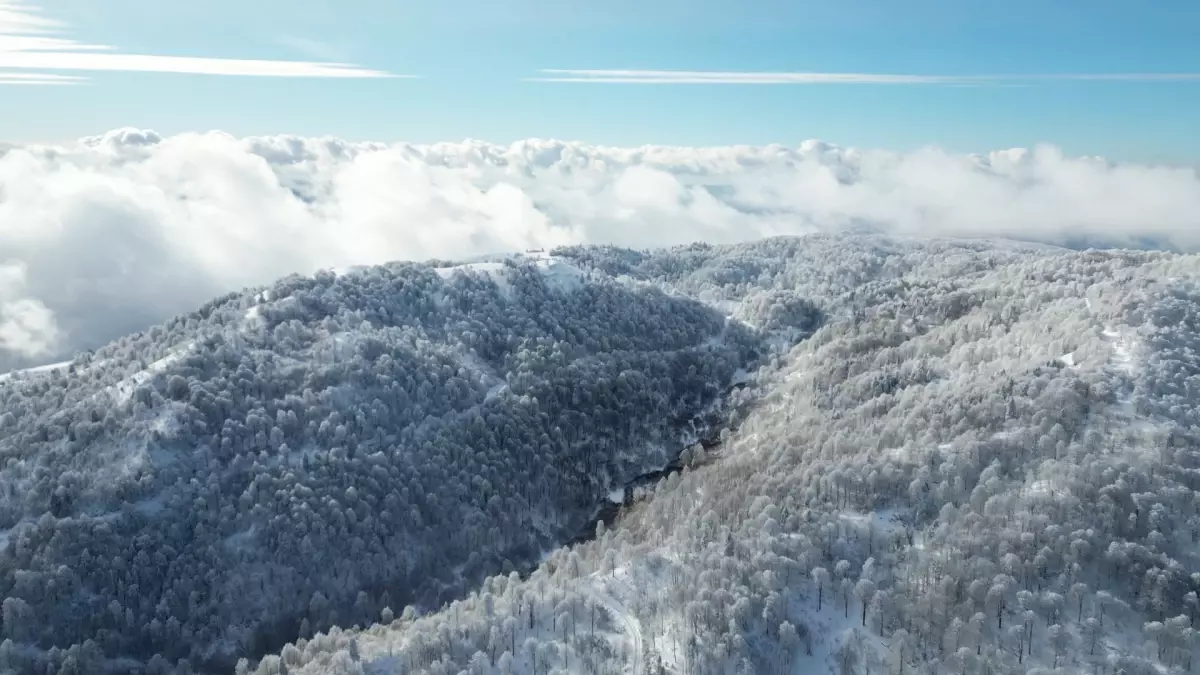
[{"x": 1098, "y": 77}]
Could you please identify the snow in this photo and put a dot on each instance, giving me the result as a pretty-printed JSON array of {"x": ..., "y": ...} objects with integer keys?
[
  {"x": 123, "y": 390},
  {"x": 624, "y": 592},
  {"x": 1067, "y": 360},
  {"x": 1135, "y": 435},
  {"x": 717, "y": 301},
  {"x": 253, "y": 318},
  {"x": 559, "y": 274},
  {"x": 885, "y": 521},
  {"x": 1041, "y": 487},
  {"x": 830, "y": 627},
  {"x": 617, "y": 495},
  {"x": 242, "y": 540},
  {"x": 1122, "y": 350},
  {"x": 485, "y": 267},
  {"x": 495, "y": 391},
  {"x": 49, "y": 367},
  {"x": 151, "y": 506},
  {"x": 494, "y": 270},
  {"x": 488, "y": 375},
  {"x": 616, "y": 593}
]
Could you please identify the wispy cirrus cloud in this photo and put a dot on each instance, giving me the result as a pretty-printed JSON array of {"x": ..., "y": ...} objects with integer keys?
[
  {"x": 38, "y": 78},
  {"x": 33, "y": 50},
  {"x": 730, "y": 77},
  {"x": 1123, "y": 77},
  {"x": 636, "y": 76}
]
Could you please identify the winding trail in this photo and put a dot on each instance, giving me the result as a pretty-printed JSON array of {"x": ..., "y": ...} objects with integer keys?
[{"x": 630, "y": 626}]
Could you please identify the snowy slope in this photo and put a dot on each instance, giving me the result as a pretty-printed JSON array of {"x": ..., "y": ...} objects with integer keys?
[
  {"x": 559, "y": 273},
  {"x": 992, "y": 444},
  {"x": 285, "y": 449}
]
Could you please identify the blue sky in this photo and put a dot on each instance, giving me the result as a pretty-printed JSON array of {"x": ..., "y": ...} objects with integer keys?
[{"x": 474, "y": 60}]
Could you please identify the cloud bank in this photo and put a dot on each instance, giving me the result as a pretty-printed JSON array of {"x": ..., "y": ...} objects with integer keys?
[
  {"x": 113, "y": 233},
  {"x": 30, "y": 45}
]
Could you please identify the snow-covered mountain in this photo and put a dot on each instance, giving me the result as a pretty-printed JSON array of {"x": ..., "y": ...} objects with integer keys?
[
  {"x": 300, "y": 456},
  {"x": 949, "y": 456},
  {"x": 984, "y": 461}
]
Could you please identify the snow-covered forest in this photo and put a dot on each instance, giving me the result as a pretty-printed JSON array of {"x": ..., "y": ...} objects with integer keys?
[{"x": 948, "y": 456}]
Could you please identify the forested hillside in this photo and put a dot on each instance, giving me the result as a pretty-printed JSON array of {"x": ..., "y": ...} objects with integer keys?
[
  {"x": 299, "y": 457},
  {"x": 948, "y": 456},
  {"x": 983, "y": 461}
]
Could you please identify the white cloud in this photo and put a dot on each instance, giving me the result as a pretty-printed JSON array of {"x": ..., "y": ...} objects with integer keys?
[
  {"x": 119, "y": 231},
  {"x": 734, "y": 77},
  {"x": 1125, "y": 77},
  {"x": 27, "y": 327},
  {"x": 37, "y": 79},
  {"x": 30, "y": 45}
]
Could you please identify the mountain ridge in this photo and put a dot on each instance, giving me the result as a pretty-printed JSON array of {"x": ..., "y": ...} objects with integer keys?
[{"x": 910, "y": 400}]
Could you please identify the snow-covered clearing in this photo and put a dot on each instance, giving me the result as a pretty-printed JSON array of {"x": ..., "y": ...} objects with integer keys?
[
  {"x": 49, "y": 367},
  {"x": 835, "y": 624},
  {"x": 1140, "y": 434},
  {"x": 558, "y": 273},
  {"x": 885, "y": 522},
  {"x": 487, "y": 267},
  {"x": 1123, "y": 348},
  {"x": 123, "y": 390}
]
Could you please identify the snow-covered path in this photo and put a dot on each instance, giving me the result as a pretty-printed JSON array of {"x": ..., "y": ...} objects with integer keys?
[
  {"x": 36, "y": 369},
  {"x": 614, "y": 592},
  {"x": 1122, "y": 350}
]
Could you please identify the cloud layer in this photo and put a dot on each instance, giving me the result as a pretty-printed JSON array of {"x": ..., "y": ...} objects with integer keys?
[
  {"x": 30, "y": 45},
  {"x": 116, "y": 232}
]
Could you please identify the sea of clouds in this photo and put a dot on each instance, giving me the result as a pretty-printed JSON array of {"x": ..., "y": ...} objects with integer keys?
[{"x": 113, "y": 233}]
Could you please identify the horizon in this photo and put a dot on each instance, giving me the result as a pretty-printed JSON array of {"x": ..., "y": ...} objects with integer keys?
[
  {"x": 63, "y": 359},
  {"x": 157, "y": 156}
]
